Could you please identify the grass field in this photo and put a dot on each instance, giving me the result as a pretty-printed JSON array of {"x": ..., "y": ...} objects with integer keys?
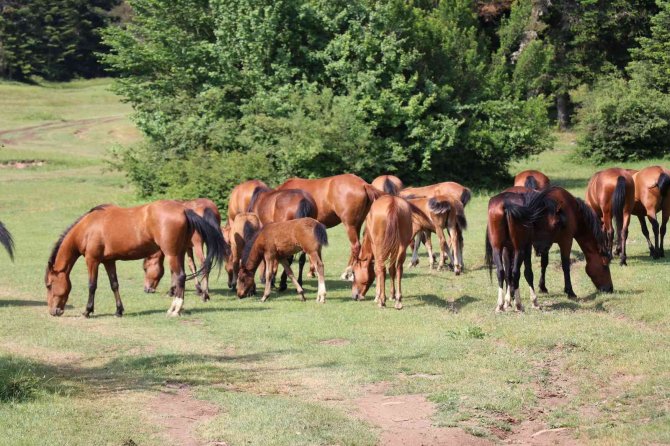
[{"x": 595, "y": 370}]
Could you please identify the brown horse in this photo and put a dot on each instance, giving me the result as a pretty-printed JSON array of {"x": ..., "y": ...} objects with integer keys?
[
  {"x": 390, "y": 184},
  {"x": 532, "y": 179},
  {"x": 279, "y": 242},
  {"x": 240, "y": 197},
  {"x": 244, "y": 227},
  {"x": 515, "y": 216},
  {"x": 611, "y": 194},
  {"x": 109, "y": 233},
  {"x": 153, "y": 265},
  {"x": 651, "y": 196},
  {"x": 389, "y": 228},
  {"x": 7, "y": 241},
  {"x": 462, "y": 193},
  {"x": 339, "y": 199},
  {"x": 444, "y": 211}
]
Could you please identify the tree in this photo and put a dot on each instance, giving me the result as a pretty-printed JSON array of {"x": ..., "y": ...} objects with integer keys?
[{"x": 651, "y": 61}]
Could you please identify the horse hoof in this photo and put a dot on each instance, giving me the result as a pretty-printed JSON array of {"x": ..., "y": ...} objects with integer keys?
[
  {"x": 87, "y": 314},
  {"x": 205, "y": 297},
  {"x": 117, "y": 314},
  {"x": 302, "y": 297},
  {"x": 535, "y": 307},
  {"x": 543, "y": 289},
  {"x": 149, "y": 290},
  {"x": 500, "y": 309},
  {"x": 398, "y": 306}
]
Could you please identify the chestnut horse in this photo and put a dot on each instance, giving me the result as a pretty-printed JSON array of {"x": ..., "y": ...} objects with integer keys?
[
  {"x": 390, "y": 184},
  {"x": 611, "y": 194},
  {"x": 651, "y": 196},
  {"x": 153, "y": 265},
  {"x": 7, "y": 241},
  {"x": 273, "y": 206},
  {"x": 244, "y": 227},
  {"x": 109, "y": 233},
  {"x": 514, "y": 218},
  {"x": 279, "y": 242},
  {"x": 447, "y": 188},
  {"x": 240, "y": 197},
  {"x": 444, "y": 212},
  {"x": 389, "y": 228},
  {"x": 339, "y": 199},
  {"x": 532, "y": 179}
]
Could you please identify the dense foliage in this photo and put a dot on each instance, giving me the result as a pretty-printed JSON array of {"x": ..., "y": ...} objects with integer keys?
[
  {"x": 232, "y": 89},
  {"x": 53, "y": 39}
]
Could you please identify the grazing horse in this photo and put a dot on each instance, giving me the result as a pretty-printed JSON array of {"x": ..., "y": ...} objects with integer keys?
[
  {"x": 444, "y": 212},
  {"x": 7, "y": 241},
  {"x": 244, "y": 227},
  {"x": 611, "y": 194},
  {"x": 274, "y": 206},
  {"x": 389, "y": 228},
  {"x": 390, "y": 184},
  {"x": 153, "y": 265},
  {"x": 339, "y": 199},
  {"x": 651, "y": 196},
  {"x": 532, "y": 179},
  {"x": 109, "y": 233},
  {"x": 514, "y": 218},
  {"x": 447, "y": 188},
  {"x": 240, "y": 197},
  {"x": 278, "y": 242}
]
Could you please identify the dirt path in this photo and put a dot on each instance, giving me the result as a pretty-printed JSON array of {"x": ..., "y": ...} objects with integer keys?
[{"x": 23, "y": 134}]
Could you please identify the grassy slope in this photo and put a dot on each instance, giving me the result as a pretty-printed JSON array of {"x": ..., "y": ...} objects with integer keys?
[{"x": 606, "y": 356}]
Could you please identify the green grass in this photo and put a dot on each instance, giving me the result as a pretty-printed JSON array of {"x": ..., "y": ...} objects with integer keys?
[{"x": 88, "y": 381}]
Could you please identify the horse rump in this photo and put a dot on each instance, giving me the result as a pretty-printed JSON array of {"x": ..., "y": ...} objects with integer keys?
[
  {"x": 389, "y": 187},
  {"x": 531, "y": 182}
]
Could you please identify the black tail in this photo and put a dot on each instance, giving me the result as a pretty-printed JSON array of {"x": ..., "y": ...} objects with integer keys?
[
  {"x": 7, "y": 241},
  {"x": 305, "y": 209},
  {"x": 465, "y": 196},
  {"x": 663, "y": 184},
  {"x": 256, "y": 195},
  {"x": 320, "y": 234},
  {"x": 211, "y": 218},
  {"x": 217, "y": 249},
  {"x": 531, "y": 182},
  {"x": 389, "y": 187},
  {"x": 438, "y": 207},
  {"x": 618, "y": 202},
  {"x": 488, "y": 258},
  {"x": 535, "y": 206}
]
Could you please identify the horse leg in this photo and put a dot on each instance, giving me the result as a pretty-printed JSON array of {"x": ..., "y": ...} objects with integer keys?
[
  {"x": 179, "y": 279},
  {"x": 301, "y": 264},
  {"x": 528, "y": 275},
  {"x": 315, "y": 259},
  {"x": 268, "y": 279},
  {"x": 645, "y": 232},
  {"x": 398, "y": 288},
  {"x": 193, "y": 269},
  {"x": 110, "y": 267},
  {"x": 500, "y": 274},
  {"x": 415, "y": 249},
  {"x": 519, "y": 255},
  {"x": 261, "y": 271},
  {"x": 623, "y": 237},
  {"x": 92, "y": 266},
  {"x": 353, "y": 234},
  {"x": 544, "y": 261},
  {"x": 204, "y": 282},
  {"x": 565, "y": 264},
  {"x": 664, "y": 224},
  {"x": 507, "y": 267},
  {"x": 429, "y": 247},
  {"x": 380, "y": 273},
  {"x": 651, "y": 215},
  {"x": 287, "y": 269},
  {"x": 444, "y": 249},
  {"x": 282, "y": 283}
]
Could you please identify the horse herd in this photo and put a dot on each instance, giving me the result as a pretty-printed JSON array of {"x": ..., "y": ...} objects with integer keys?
[{"x": 266, "y": 227}]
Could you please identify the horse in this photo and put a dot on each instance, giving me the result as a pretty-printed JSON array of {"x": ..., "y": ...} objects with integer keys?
[
  {"x": 153, "y": 265},
  {"x": 389, "y": 227},
  {"x": 7, "y": 241},
  {"x": 273, "y": 206},
  {"x": 451, "y": 188},
  {"x": 108, "y": 233},
  {"x": 244, "y": 227},
  {"x": 444, "y": 212},
  {"x": 514, "y": 216},
  {"x": 390, "y": 184},
  {"x": 611, "y": 193},
  {"x": 279, "y": 242},
  {"x": 532, "y": 179},
  {"x": 240, "y": 197},
  {"x": 651, "y": 196},
  {"x": 339, "y": 199}
]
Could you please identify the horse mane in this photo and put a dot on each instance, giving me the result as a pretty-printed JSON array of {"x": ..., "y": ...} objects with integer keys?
[
  {"x": 256, "y": 195},
  {"x": 591, "y": 221},
  {"x": 59, "y": 242},
  {"x": 249, "y": 241}
]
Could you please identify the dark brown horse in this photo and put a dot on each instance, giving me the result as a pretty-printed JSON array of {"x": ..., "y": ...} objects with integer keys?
[
  {"x": 339, "y": 199},
  {"x": 515, "y": 217},
  {"x": 462, "y": 193},
  {"x": 611, "y": 194},
  {"x": 7, "y": 241},
  {"x": 153, "y": 265},
  {"x": 240, "y": 197},
  {"x": 390, "y": 184},
  {"x": 244, "y": 227},
  {"x": 109, "y": 233},
  {"x": 532, "y": 179},
  {"x": 651, "y": 196},
  {"x": 389, "y": 227},
  {"x": 279, "y": 242}
]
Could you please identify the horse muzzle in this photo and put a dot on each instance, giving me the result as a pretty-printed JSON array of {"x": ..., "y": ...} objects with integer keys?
[
  {"x": 606, "y": 289},
  {"x": 56, "y": 311}
]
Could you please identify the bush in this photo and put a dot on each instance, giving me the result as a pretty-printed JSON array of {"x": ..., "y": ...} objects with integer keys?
[{"x": 622, "y": 120}]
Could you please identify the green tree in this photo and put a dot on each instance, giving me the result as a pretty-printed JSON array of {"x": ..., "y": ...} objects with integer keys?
[{"x": 651, "y": 62}]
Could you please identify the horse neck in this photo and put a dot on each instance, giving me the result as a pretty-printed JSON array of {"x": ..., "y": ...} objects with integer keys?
[
  {"x": 588, "y": 244},
  {"x": 255, "y": 257},
  {"x": 68, "y": 253}
]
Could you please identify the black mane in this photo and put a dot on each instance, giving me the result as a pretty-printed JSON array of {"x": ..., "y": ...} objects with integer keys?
[
  {"x": 54, "y": 251},
  {"x": 248, "y": 244},
  {"x": 592, "y": 222}
]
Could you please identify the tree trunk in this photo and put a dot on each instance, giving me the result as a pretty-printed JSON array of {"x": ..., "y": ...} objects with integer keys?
[{"x": 563, "y": 110}]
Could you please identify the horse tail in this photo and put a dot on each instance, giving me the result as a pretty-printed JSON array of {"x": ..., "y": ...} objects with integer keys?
[
  {"x": 7, "y": 241},
  {"x": 255, "y": 195},
  {"x": 531, "y": 182},
  {"x": 306, "y": 208},
  {"x": 465, "y": 196},
  {"x": 389, "y": 187},
  {"x": 439, "y": 206},
  {"x": 488, "y": 257},
  {"x": 320, "y": 234},
  {"x": 391, "y": 233},
  {"x": 663, "y": 184},
  {"x": 419, "y": 217},
  {"x": 373, "y": 193},
  {"x": 217, "y": 248},
  {"x": 618, "y": 202},
  {"x": 460, "y": 216}
]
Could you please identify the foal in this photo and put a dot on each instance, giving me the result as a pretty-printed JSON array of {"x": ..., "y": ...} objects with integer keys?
[
  {"x": 278, "y": 242},
  {"x": 244, "y": 227}
]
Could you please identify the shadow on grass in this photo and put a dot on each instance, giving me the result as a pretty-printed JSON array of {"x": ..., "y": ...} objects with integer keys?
[
  {"x": 23, "y": 303},
  {"x": 455, "y": 305},
  {"x": 191, "y": 311}
]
